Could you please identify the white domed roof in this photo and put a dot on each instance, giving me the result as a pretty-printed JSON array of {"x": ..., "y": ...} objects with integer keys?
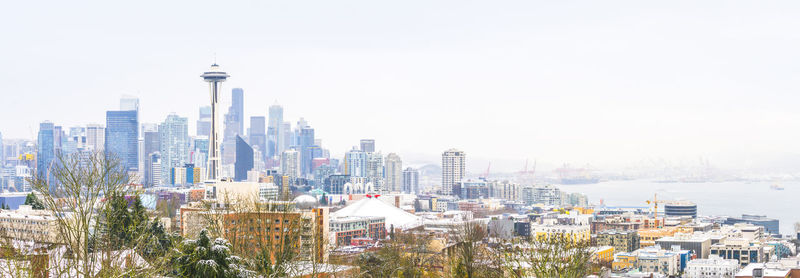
[{"x": 302, "y": 199}]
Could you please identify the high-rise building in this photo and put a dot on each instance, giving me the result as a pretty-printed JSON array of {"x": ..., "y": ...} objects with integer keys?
[
  {"x": 394, "y": 173},
  {"x": 453, "y": 169},
  {"x": 75, "y": 141},
  {"x": 411, "y": 181},
  {"x": 95, "y": 137},
  {"x": 290, "y": 163},
  {"x": 2, "y": 152},
  {"x": 321, "y": 173},
  {"x": 355, "y": 163},
  {"x": 58, "y": 136},
  {"x": 244, "y": 159},
  {"x": 375, "y": 173},
  {"x": 122, "y": 137},
  {"x": 258, "y": 135},
  {"x": 204, "y": 121},
  {"x": 45, "y": 153},
  {"x": 154, "y": 160},
  {"x": 285, "y": 133},
  {"x": 237, "y": 109},
  {"x": 173, "y": 143},
  {"x": 215, "y": 76},
  {"x": 234, "y": 122},
  {"x": 129, "y": 103},
  {"x": 200, "y": 154},
  {"x": 151, "y": 145},
  {"x": 305, "y": 140},
  {"x": 274, "y": 130},
  {"x": 368, "y": 145}
]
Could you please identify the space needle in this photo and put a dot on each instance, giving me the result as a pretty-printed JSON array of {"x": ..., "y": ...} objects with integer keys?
[{"x": 214, "y": 76}]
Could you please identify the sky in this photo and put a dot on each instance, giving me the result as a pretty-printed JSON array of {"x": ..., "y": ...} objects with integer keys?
[{"x": 609, "y": 83}]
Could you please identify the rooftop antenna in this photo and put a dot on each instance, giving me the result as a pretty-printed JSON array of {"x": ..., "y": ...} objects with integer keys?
[{"x": 215, "y": 58}]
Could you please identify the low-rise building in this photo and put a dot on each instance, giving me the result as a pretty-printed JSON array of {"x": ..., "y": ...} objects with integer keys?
[
  {"x": 622, "y": 241},
  {"x": 653, "y": 260},
  {"x": 741, "y": 249},
  {"x": 770, "y": 225},
  {"x": 27, "y": 224},
  {"x": 624, "y": 261},
  {"x": 764, "y": 270},
  {"x": 344, "y": 229},
  {"x": 603, "y": 254},
  {"x": 275, "y": 223},
  {"x": 577, "y": 232},
  {"x": 648, "y": 237},
  {"x": 713, "y": 267},
  {"x": 699, "y": 244}
]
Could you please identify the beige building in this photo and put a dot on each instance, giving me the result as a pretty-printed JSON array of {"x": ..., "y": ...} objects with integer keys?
[
  {"x": 28, "y": 224},
  {"x": 306, "y": 230},
  {"x": 453, "y": 163},
  {"x": 394, "y": 173}
]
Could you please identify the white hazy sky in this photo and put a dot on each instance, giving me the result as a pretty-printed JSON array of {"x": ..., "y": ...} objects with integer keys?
[{"x": 602, "y": 82}]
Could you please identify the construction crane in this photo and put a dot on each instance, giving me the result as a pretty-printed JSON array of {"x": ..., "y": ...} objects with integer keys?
[{"x": 655, "y": 208}]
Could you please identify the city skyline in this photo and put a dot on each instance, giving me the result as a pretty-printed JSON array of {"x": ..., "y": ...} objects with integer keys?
[
  {"x": 362, "y": 138},
  {"x": 653, "y": 108}
]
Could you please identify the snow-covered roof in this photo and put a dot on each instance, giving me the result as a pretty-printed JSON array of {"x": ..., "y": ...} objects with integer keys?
[{"x": 373, "y": 207}]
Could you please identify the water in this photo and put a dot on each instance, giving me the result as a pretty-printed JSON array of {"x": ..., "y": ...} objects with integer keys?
[{"x": 712, "y": 198}]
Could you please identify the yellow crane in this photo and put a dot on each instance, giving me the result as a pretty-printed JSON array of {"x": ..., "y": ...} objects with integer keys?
[{"x": 655, "y": 209}]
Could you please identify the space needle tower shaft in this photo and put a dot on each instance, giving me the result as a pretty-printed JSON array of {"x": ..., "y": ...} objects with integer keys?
[{"x": 214, "y": 76}]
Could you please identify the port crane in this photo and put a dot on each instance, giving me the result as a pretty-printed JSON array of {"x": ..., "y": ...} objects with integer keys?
[{"x": 485, "y": 175}]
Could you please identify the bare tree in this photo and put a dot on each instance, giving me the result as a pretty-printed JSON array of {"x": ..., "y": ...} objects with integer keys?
[
  {"x": 553, "y": 255},
  {"x": 272, "y": 236},
  {"x": 407, "y": 255},
  {"x": 75, "y": 193},
  {"x": 469, "y": 254}
]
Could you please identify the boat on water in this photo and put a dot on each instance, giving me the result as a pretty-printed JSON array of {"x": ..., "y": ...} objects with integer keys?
[
  {"x": 569, "y": 175},
  {"x": 776, "y": 186}
]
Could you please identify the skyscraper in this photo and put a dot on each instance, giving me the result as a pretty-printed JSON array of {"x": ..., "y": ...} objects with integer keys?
[
  {"x": 122, "y": 137},
  {"x": 214, "y": 77},
  {"x": 204, "y": 121},
  {"x": 274, "y": 130},
  {"x": 75, "y": 141},
  {"x": 258, "y": 135},
  {"x": 237, "y": 109},
  {"x": 233, "y": 127},
  {"x": 453, "y": 163},
  {"x": 290, "y": 163},
  {"x": 244, "y": 159},
  {"x": 2, "y": 152},
  {"x": 45, "y": 153},
  {"x": 95, "y": 137},
  {"x": 375, "y": 173},
  {"x": 411, "y": 181},
  {"x": 368, "y": 145},
  {"x": 155, "y": 167},
  {"x": 129, "y": 103},
  {"x": 355, "y": 163},
  {"x": 151, "y": 145},
  {"x": 58, "y": 136},
  {"x": 394, "y": 173},
  {"x": 285, "y": 134},
  {"x": 305, "y": 140},
  {"x": 173, "y": 140}
]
